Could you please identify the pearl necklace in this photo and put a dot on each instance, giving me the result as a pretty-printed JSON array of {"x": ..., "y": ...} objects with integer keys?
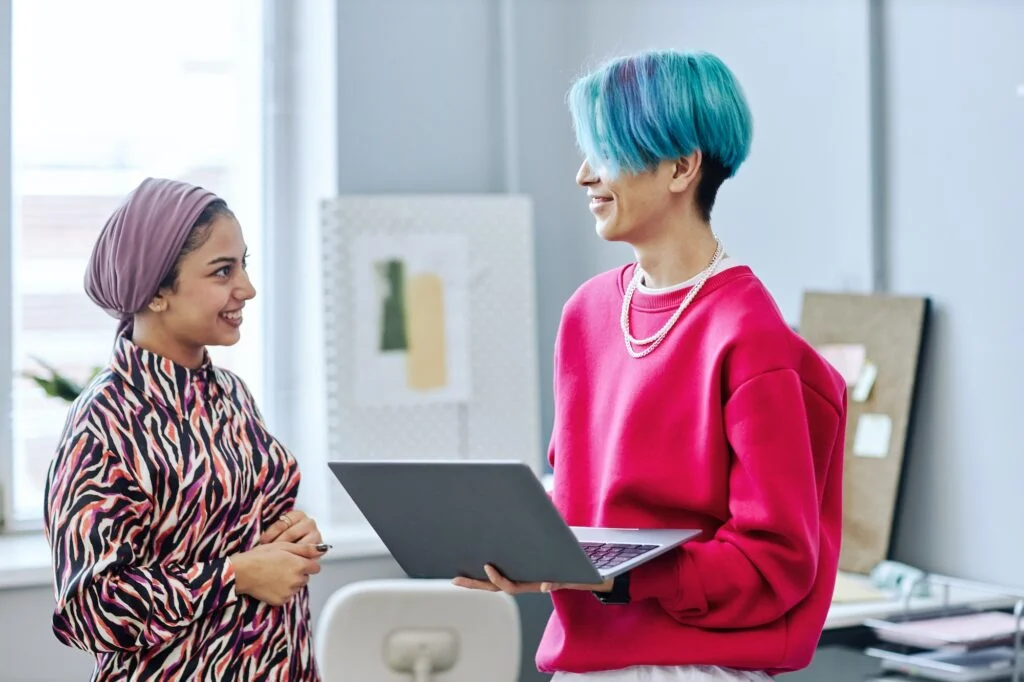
[{"x": 654, "y": 341}]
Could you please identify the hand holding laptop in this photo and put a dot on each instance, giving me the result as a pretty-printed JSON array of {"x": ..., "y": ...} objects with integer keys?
[
  {"x": 499, "y": 583},
  {"x": 445, "y": 518}
]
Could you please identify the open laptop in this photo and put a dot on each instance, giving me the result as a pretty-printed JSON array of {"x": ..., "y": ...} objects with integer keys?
[{"x": 442, "y": 519}]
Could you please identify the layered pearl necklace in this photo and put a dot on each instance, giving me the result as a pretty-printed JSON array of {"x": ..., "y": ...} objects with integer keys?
[{"x": 653, "y": 342}]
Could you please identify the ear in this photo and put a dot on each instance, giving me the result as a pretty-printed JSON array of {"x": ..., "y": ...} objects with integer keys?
[
  {"x": 158, "y": 304},
  {"x": 685, "y": 172}
]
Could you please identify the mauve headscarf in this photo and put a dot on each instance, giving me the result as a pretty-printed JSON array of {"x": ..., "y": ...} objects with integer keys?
[{"x": 139, "y": 244}]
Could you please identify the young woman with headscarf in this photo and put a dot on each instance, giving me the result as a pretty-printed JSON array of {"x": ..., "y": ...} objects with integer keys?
[{"x": 177, "y": 551}]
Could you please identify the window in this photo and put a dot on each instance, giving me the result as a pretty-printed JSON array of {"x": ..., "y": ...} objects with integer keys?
[{"x": 105, "y": 93}]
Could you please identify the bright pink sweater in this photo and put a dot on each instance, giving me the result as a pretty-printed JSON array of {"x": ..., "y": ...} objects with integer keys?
[{"x": 734, "y": 425}]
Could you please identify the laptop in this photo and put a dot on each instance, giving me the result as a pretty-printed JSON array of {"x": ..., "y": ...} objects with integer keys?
[{"x": 445, "y": 518}]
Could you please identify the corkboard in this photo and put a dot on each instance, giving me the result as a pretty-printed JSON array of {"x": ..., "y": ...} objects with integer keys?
[{"x": 892, "y": 330}]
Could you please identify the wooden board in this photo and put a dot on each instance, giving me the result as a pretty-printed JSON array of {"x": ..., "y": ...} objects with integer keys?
[{"x": 891, "y": 329}]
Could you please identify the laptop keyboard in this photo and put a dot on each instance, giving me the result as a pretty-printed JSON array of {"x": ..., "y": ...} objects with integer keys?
[{"x": 610, "y": 555}]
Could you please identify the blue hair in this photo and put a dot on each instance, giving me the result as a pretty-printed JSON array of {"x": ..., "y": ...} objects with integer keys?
[{"x": 634, "y": 112}]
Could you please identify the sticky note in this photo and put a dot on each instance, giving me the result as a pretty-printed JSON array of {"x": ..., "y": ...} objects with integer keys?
[
  {"x": 873, "y": 436},
  {"x": 865, "y": 382},
  {"x": 848, "y": 359}
]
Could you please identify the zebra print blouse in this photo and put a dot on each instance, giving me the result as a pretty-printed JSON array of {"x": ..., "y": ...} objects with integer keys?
[{"x": 163, "y": 472}]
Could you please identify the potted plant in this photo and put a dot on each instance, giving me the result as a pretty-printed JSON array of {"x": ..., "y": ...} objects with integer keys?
[{"x": 57, "y": 385}]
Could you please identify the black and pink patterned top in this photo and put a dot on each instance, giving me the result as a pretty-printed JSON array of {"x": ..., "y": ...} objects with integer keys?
[{"x": 161, "y": 474}]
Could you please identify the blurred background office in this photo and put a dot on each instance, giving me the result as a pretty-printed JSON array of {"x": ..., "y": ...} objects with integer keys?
[{"x": 887, "y": 157}]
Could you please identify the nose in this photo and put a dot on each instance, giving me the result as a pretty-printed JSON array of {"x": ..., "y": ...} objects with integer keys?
[
  {"x": 245, "y": 290},
  {"x": 585, "y": 175}
]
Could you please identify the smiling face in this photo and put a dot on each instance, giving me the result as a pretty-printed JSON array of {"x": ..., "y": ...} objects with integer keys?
[
  {"x": 635, "y": 207},
  {"x": 203, "y": 307},
  {"x": 635, "y": 112}
]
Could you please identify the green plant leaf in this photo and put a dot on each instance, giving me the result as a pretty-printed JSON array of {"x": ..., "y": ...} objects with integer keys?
[{"x": 56, "y": 385}]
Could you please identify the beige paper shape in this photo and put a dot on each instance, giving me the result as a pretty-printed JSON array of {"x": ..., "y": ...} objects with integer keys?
[{"x": 425, "y": 365}]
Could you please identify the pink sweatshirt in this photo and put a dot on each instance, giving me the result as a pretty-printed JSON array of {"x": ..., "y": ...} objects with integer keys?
[{"x": 734, "y": 425}]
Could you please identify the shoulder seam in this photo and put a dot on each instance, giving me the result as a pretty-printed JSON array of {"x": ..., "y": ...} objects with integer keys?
[{"x": 835, "y": 408}]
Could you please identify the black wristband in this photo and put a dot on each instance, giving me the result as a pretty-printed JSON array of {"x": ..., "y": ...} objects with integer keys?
[{"x": 619, "y": 593}]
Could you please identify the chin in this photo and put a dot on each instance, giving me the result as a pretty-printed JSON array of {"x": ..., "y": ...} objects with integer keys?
[
  {"x": 609, "y": 232},
  {"x": 224, "y": 339}
]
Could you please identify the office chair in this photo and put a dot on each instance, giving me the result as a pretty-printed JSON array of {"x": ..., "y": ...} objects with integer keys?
[{"x": 417, "y": 631}]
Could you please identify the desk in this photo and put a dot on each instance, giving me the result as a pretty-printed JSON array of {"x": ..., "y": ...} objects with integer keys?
[
  {"x": 840, "y": 656},
  {"x": 853, "y": 614}
]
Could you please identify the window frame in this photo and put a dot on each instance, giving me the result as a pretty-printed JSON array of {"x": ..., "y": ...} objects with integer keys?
[
  {"x": 7, "y": 522},
  {"x": 302, "y": 159}
]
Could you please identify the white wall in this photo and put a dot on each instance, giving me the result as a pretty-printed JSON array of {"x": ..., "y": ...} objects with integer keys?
[
  {"x": 419, "y": 97},
  {"x": 955, "y": 120}
]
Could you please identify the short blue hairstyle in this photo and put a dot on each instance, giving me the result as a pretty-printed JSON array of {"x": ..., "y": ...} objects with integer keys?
[{"x": 634, "y": 112}]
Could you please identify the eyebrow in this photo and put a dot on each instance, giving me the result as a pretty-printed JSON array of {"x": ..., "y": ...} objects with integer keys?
[
  {"x": 227, "y": 259},
  {"x": 223, "y": 259}
]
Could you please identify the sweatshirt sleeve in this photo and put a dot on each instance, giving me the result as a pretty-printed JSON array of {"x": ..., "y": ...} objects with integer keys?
[
  {"x": 556, "y": 364},
  {"x": 108, "y": 598},
  {"x": 763, "y": 561}
]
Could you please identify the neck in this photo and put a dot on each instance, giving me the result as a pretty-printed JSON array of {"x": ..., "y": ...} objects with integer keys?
[
  {"x": 676, "y": 255},
  {"x": 145, "y": 336}
]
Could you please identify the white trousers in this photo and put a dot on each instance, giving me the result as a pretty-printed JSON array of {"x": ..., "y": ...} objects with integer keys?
[{"x": 646, "y": 673}]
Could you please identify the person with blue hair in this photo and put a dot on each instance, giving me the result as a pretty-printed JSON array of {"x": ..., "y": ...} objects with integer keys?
[{"x": 684, "y": 400}]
